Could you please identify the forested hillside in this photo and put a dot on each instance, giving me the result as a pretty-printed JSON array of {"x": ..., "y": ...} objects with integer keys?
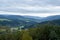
[
  {"x": 53, "y": 22},
  {"x": 16, "y": 21},
  {"x": 20, "y": 29},
  {"x": 40, "y": 32}
]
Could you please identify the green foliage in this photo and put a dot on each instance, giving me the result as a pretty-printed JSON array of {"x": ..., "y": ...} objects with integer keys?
[
  {"x": 45, "y": 32},
  {"x": 40, "y": 32},
  {"x": 26, "y": 36}
]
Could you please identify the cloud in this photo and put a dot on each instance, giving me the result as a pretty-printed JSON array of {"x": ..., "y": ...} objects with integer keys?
[
  {"x": 30, "y": 6},
  {"x": 30, "y": 2},
  {"x": 32, "y": 9}
]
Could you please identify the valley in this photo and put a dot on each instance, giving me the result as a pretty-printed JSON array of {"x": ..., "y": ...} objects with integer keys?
[{"x": 14, "y": 27}]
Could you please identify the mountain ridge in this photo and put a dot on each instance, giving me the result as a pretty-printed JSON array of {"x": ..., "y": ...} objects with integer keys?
[{"x": 26, "y": 21}]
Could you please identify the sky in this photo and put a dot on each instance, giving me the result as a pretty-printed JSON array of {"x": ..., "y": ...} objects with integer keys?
[{"x": 40, "y": 8}]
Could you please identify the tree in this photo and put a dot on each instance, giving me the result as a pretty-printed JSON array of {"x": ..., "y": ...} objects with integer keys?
[
  {"x": 26, "y": 36},
  {"x": 53, "y": 35}
]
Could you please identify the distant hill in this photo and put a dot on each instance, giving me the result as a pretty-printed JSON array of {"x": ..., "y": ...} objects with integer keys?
[
  {"x": 49, "y": 18},
  {"x": 27, "y": 21},
  {"x": 49, "y": 23},
  {"x": 53, "y": 22},
  {"x": 16, "y": 21}
]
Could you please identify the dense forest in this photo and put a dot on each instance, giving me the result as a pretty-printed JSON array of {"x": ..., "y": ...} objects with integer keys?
[{"x": 40, "y": 32}]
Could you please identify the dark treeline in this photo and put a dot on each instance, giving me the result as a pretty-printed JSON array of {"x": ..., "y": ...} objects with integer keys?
[{"x": 40, "y": 32}]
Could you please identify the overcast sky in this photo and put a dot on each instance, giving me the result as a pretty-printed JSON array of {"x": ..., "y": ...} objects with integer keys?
[{"x": 40, "y": 8}]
